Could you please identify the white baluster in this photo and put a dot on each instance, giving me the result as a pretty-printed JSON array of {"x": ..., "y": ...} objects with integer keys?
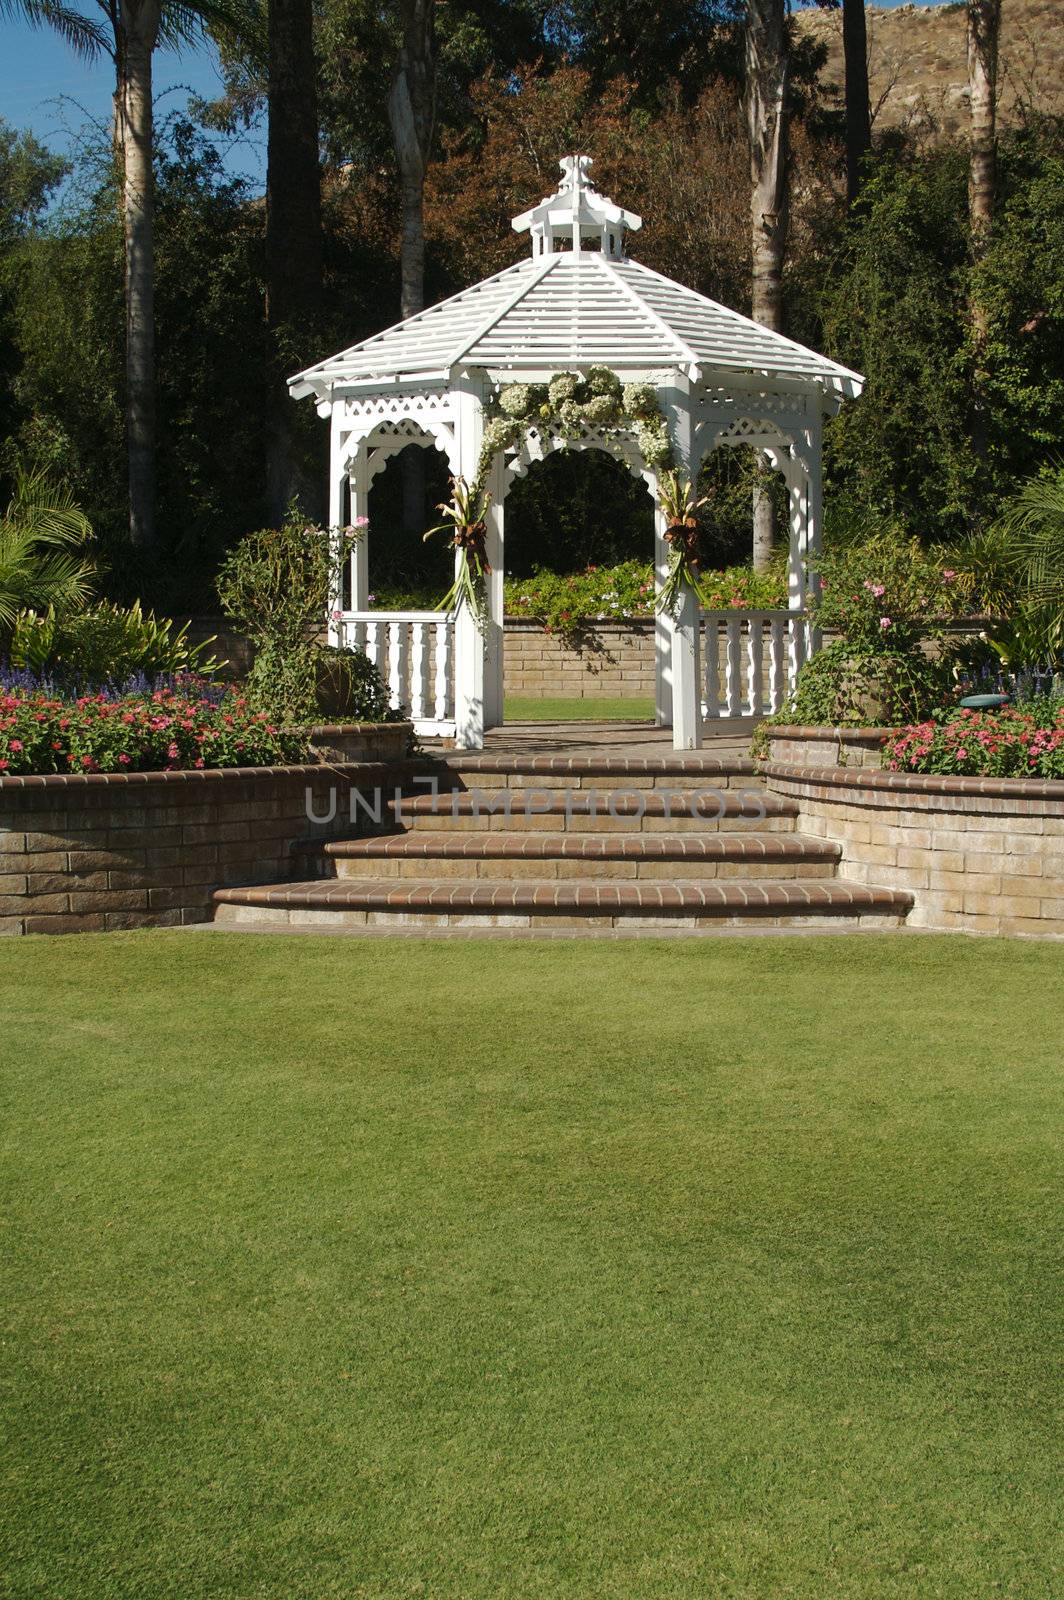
[
  {"x": 733, "y": 672},
  {"x": 444, "y": 703},
  {"x": 711, "y": 647},
  {"x": 419, "y": 670},
  {"x": 397, "y": 636},
  {"x": 755, "y": 694},
  {"x": 777, "y": 657},
  {"x": 373, "y": 643}
]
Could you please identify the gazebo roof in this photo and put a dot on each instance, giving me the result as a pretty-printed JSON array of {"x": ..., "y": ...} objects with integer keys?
[{"x": 575, "y": 308}]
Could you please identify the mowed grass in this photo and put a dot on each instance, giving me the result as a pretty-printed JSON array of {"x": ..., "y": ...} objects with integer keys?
[
  {"x": 561, "y": 710},
  {"x": 376, "y": 1269}
]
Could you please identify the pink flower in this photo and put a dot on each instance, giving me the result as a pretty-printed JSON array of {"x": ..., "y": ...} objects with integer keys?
[
  {"x": 124, "y": 759},
  {"x": 884, "y": 622},
  {"x": 16, "y": 744}
]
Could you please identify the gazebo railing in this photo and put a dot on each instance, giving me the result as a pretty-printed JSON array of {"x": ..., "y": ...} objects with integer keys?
[
  {"x": 751, "y": 660},
  {"x": 414, "y": 653}
]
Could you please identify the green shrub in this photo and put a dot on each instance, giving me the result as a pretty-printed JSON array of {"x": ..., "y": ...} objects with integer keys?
[
  {"x": 277, "y": 584},
  {"x": 105, "y": 644}
]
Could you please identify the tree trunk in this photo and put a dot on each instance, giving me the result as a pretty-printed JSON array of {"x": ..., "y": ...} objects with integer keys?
[
  {"x": 412, "y": 115},
  {"x": 293, "y": 234},
  {"x": 767, "y": 66},
  {"x": 858, "y": 109},
  {"x": 136, "y": 37},
  {"x": 984, "y": 19}
]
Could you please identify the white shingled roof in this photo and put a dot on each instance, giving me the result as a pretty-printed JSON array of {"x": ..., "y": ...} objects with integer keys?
[{"x": 574, "y": 309}]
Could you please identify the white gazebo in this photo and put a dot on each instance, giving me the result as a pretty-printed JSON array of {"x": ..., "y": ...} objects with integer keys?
[{"x": 578, "y": 302}]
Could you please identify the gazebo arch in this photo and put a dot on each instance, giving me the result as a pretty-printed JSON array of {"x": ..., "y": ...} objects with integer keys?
[{"x": 578, "y": 303}]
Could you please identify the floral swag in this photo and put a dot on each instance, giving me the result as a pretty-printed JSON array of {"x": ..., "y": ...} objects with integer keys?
[{"x": 566, "y": 406}]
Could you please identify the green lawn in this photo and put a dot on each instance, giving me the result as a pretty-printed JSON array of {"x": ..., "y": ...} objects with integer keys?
[
  {"x": 379, "y": 1269},
  {"x": 519, "y": 709}
]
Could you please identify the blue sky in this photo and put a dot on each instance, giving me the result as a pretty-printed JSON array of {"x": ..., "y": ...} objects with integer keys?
[{"x": 44, "y": 87}]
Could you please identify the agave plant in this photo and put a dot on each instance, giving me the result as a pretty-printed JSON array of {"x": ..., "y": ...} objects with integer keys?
[{"x": 42, "y": 536}]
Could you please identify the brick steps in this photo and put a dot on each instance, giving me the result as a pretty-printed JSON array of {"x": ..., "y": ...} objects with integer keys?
[
  {"x": 585, "y": 810},
  {"x": 546, "y": 855},
  {"x": 353, "y": 902}
]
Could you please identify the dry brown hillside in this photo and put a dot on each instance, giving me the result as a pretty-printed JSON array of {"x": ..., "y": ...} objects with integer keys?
[{"x": 918, "y": 66}]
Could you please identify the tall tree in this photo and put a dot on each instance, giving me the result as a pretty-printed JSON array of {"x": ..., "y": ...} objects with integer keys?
[
  {"x": 136, "y": 36},
  {"x": 412, "y": 115},
  {"x": 984, "y": 21},
  {"x": 293, "y": 222},
  {"x": 130, "y": 34},
  {"x": 858, "y": 107},
  {"x": 767, "y": 72}
]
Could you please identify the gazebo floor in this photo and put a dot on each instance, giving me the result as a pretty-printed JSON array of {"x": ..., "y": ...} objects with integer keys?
[{"x": 608, "y": 739}]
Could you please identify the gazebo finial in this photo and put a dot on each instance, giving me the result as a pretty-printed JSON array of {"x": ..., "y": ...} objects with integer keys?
[{"x": 576, "y": 217}]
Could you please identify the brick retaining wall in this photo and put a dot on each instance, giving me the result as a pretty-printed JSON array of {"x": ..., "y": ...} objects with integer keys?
[
  {"x": 615, "y": 660},
  {"x": 93, "y": 851},
  {"x": 979, "y": 855}
]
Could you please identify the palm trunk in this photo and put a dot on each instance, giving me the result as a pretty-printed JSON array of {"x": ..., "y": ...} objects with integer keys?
[
  {"x": 293, "y": 235},
  {"x": 139, "y": 29},
  {"x": 767, "y": 67},
  {"x": 412, "y": 115},
  {"x": 984, "y": 19},
  {"x": 858, "y": 109}
]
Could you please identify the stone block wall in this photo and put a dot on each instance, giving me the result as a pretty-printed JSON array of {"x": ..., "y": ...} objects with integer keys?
[
  {"x": 94, "y": 851},
  {"x": 979, "y": 855},
  {"x": 616, "y": 661}
]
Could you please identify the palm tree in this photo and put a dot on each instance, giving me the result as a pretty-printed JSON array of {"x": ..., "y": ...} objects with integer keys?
[
  {"x": 293, "y": 228},
  {"x": 130, "y": 33},
  {"x": 41, "y": 534},
  {"x": 767, "y": 73}
]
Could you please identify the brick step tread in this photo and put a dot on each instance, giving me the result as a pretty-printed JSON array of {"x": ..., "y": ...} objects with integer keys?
[
  {"x": 752, "y": 803},
  {"x": 595, "y": 898},
  {"x": 680, "y": 765},
  {"x": 758, "y": 847}
]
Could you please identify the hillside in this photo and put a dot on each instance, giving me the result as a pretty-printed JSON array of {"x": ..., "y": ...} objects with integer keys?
[{"x": 918, "y": 65}]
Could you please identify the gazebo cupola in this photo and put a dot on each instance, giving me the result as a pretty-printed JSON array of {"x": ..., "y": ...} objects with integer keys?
[
  {"x": 577, "y": 217},
  {"x": 577, "y": 303}
]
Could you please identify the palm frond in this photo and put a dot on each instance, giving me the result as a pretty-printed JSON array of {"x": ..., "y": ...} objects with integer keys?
[
  {"x": 46, "y": 509},
  {"x": 85, "y": 36},
  {"x": 1034, "y": 525}
]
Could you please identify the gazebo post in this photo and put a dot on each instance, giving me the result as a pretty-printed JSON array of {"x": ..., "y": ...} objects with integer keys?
[
  {"x": 469, "y": 631},
  {"x": 360, "y": 508},
  {"x": 662, "y": 632},
  {"x": 685, "y": 626},
  {"x": 493, "y": 638}
]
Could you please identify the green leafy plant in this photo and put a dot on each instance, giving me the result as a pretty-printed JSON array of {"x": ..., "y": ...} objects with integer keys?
[
  {"x": 851, "y": 686},
  {"x": 43, "y": 533},
  {"x": 1034, "y": 523},
  {"x": 277, "y": 585},
  {"x": 106, "y": 644},
  {"x": 886, "y": 593}
]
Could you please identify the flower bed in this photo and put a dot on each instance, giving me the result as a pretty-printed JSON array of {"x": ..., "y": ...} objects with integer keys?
[
  {"x": 1014, "y": 742},
  {"x": 181, "y": 727}
]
